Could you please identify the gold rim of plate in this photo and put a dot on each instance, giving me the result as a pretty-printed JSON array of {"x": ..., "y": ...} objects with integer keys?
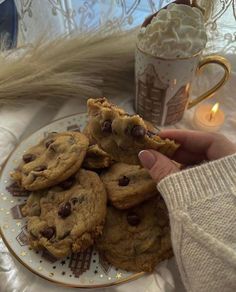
[
  {"x": 128, "y": 279},
  {"x": 118, "y": 282}
]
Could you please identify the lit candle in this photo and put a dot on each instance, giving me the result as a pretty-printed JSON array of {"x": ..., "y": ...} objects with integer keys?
[{"x": 208, "y": 118}]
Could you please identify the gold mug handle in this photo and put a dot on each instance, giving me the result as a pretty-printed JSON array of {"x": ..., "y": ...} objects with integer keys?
[{"x": 214, "y": 59}]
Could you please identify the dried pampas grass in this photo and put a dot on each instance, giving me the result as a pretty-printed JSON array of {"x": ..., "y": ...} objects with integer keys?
[{"x": 76, "y": 66}]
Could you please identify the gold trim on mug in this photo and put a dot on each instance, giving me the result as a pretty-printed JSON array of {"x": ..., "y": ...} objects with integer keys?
[{"x": 222, "y": 62}]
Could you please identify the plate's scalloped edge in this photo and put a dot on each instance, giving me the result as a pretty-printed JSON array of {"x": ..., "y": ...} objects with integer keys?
[{"x": 12, "y": 252}]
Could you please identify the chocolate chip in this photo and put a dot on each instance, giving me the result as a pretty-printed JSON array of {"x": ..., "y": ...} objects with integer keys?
[
  {"x": 67, "y": 184},
  {"x": 65, "y": 210},
  {"x": 133, "y": 219},
  {"x": 48, "y": 143},
  {"x": 123, "y": 181},
  {"x": 28, "y": 157},
  {"x": 48, "y": 232},
  {"x": 106, "y": 126},
  {"x": 40, "y": 168},
  {"x": 138, "y": 131}
]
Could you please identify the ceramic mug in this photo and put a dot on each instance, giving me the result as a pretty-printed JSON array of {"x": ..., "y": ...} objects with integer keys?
[{"x": 163, "y": 84}]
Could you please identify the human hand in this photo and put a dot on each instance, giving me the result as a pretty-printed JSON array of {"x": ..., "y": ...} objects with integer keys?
[{"x": 195, "y": 147}]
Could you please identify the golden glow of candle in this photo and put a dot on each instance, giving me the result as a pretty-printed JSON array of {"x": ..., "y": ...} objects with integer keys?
[
  {"x": 214, "y": 110},
  {"x": 208, "y": 118}
]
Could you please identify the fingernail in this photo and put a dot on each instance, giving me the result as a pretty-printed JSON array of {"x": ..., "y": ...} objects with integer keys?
[{"x": 147, "y": 159}]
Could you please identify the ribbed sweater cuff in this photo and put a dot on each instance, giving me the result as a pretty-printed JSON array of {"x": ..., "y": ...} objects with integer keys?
[{"x": 182, "y": 189}]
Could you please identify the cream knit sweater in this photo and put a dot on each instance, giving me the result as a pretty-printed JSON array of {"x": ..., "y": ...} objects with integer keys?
[{"x": 202, "y": 206}]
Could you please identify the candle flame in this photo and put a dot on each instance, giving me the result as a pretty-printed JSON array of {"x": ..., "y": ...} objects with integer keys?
[{"x": 214, "y": 110}]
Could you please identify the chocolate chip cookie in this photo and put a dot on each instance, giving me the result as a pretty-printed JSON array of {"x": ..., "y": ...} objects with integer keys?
[
  {"x": 122, "y": 135},
  {"x": 52, "y": 161},
  {"x": 136, "y": 239},
  {"x": 128, "y": 185},
  {"x": 68, "y": 217},
  {"x": 96, "y": 158}
]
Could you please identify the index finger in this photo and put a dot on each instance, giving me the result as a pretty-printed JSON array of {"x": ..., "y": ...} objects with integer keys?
[{"x": 193, "y": 141}]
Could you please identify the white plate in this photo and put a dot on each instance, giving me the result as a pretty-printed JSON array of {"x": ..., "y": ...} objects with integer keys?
[{"x": 78, "y": 270}]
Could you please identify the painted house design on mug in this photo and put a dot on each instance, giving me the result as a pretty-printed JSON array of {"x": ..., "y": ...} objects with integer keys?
[
  {"x": 151, "y": 95},
  {"x": 176, "y": 105}
]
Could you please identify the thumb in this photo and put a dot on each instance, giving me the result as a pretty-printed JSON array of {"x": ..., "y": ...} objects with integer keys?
[{"x": 158, "y": 165}]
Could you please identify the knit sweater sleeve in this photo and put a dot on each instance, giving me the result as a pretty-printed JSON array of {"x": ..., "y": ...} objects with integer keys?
[{"x": 202, "y": 207}]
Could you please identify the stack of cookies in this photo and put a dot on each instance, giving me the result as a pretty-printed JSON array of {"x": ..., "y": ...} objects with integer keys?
[{"x": 89, "y": 189}]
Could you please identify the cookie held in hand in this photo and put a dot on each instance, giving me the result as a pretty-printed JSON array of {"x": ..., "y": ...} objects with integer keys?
[{"x": 122, "y": 135}]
